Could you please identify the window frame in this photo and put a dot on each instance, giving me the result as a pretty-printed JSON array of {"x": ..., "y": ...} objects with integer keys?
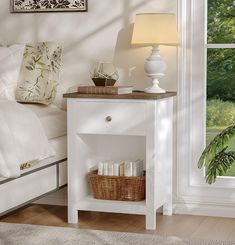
[
  {"x": 199, "y": 60},
  {"x": 214, "y": 46},
  {"x": 191, "y": 115}
]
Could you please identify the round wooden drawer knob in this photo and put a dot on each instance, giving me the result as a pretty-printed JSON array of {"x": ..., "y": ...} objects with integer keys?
[{"x": 108, "y": 119}]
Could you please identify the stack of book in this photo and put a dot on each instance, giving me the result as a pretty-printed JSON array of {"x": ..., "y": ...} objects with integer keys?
[
  {"x": 112, "y": 90},
  {"x": 121, "y": 168}
]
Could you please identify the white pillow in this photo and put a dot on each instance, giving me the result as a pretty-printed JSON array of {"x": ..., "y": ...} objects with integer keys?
[{"x": 10, "y": 64}]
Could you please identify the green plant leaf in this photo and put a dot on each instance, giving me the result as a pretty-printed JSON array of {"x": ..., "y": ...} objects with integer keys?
[
  {"x": 216, "y": 146},
  {"x": 219, "y": 165}
]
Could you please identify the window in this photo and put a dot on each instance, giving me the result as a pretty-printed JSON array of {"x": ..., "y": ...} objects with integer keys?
[
  {"x": 220, "y": 47},
  {"x": 194, "y": 195}
]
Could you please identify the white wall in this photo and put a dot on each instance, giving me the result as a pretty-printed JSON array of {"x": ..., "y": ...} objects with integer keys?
[{"x": 102, "y": 33}]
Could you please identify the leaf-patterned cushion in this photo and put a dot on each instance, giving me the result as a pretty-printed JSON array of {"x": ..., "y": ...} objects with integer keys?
[{"x": 39, "y": 75}]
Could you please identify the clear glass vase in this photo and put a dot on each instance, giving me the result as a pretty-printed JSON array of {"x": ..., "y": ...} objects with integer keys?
[{"x": 104, "y": 74}]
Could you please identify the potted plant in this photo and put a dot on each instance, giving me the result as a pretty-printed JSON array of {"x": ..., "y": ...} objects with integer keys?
[{"x": 217, "y": 158}]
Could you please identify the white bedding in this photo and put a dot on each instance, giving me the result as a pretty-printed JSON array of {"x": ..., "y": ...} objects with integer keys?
[
  {"x": 52, "y": 119},
  {"x": 22, "y": 138},
  {"x": 10, "y": 63},
  {"x": 59, "y": 145}
]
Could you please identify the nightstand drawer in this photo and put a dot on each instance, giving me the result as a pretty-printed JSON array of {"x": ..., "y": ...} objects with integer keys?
[{"x": 110, "y": 118}]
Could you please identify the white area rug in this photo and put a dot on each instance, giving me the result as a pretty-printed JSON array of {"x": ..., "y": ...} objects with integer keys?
[{"x": 15, "y": 234}]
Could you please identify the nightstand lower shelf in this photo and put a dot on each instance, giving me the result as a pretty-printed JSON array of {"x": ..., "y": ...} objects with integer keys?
[{"x": 91, "y": 204}]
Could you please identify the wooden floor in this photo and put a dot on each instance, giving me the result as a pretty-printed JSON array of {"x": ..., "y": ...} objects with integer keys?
[{"x": 211, "y": 228}]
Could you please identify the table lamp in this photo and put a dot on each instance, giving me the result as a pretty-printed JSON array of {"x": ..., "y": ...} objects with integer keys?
[{"x": 154, "y": 29}]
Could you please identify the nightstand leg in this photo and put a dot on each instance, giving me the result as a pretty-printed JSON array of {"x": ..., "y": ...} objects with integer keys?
[
  {"x": 150, "y": 198},
  {"x": 168, "y": 172},
  {"x": 72, "y": 215},
  {"x": 151, "y": 222}
]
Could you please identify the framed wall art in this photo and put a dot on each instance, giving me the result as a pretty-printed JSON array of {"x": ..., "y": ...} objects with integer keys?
[{"x": 27, "y": 6}]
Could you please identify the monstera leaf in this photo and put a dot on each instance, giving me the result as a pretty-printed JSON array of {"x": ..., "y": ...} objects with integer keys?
[{"x": 215, "y": 158}]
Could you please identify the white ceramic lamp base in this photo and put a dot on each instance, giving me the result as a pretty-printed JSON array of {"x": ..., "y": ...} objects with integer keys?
[
  {"x": 155, "y": 87},
  {"x": 155, "y": 68}
]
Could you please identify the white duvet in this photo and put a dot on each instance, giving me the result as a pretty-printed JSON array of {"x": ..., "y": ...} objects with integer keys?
[{"x": 22, "y": 138}]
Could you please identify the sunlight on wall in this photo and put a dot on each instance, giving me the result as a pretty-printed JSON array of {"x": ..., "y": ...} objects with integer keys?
[{"x": 102, "y": 33}]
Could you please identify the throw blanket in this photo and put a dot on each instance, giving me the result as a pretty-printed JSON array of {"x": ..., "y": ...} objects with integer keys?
[{"x": 22, "y": 138}]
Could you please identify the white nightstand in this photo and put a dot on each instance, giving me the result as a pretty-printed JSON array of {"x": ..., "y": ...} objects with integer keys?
[{"x": 102, "y": 127}]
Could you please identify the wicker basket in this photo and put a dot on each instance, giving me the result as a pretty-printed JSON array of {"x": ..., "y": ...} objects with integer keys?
[{"x": 117, "y": 187}]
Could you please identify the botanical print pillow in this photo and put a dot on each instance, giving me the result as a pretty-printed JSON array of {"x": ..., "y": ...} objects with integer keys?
[
  {"x": 10, "y": 64},
  {"x": 39, "y": 74}
]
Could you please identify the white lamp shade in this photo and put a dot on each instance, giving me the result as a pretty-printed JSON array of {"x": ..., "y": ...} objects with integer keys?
[{"x": 155, "y": 29}]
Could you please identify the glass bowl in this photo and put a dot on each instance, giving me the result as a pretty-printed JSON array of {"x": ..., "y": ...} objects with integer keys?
[{"x": 104, "y": 74}]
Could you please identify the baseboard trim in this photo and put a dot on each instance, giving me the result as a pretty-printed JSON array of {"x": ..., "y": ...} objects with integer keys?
[
  {"x": 179, "y": 206},
  {"x": 58, "y": 198},
  {"x": 205, "y": 209},
  {"x": 52, "y": 201}
]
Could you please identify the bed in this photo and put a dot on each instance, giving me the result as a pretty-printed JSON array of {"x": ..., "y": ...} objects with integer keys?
[{"x": 40, "y": 178}]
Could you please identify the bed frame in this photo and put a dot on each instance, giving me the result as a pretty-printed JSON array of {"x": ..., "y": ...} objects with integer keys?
[{"x": 32, "y": 185}]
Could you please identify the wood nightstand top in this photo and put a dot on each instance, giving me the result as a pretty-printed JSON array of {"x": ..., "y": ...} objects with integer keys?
[{"x": 133, "y": 96}]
